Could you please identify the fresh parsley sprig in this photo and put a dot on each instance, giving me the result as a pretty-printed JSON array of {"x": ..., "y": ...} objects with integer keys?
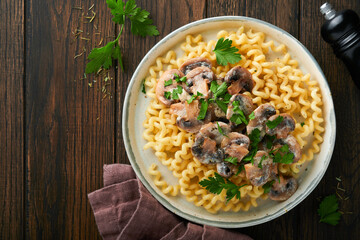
[
  {"x": 217, "y": 183},
  {"x": 141, "y": 25},
  {"x": 254, "y": 137},
  {"x": 328, "y": 210},
  {"x": 282, "y": 155},
  {"x": 232, "y": 160},
  {"x": 225, "y": 53}
]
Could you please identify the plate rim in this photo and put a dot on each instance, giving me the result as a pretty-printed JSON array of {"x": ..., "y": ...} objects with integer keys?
[{"x": 196, "y": 219}]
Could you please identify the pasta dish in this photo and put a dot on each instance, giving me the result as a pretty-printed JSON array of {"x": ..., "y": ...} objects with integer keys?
[{"x": 234, "y": 133}]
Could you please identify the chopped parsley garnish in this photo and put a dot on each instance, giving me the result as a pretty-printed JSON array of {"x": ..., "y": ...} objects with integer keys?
[
  {"x": 143, "y": 87},
  {"x": 221, "y": 105},
  {"x": 282, "y": 155},
  {"x": 203, "y": 109},
  {"x": 176, "y": 92},
  {"x": 328, "y": 210},
  {"x": 217, "y": 183},
  {"x": 254, "y": 137},
  {"x": 302, "y": 124},
  {"x": 240, "y": 169},
  {"x": 225, "y": 53},
  {"x": 141, "y": 25},
  {"x": 269, "y": 141},
  {"x": 167, "y": 95},
  {"x": 232, "y": 160},
  {"x": 238, "y": 117},
  {"x": 267, "y": 186},
  {"x": 168, "y": 82},
  {"x": 274, "y": 123},
  {"x": 252, "y": 116},
  {"x": 261, "y": 160},
  {"x": 193, "y": 97},
  {"x": 220, "y": 90},
  {"x": 221, "y": 131},
  {"x": 183, "y": 79}
]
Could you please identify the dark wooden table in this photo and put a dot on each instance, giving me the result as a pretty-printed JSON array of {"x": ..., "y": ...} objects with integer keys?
[{"x": 56, "y": 131}]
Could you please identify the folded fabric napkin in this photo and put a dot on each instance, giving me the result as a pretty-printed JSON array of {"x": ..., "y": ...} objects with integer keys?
[{"x": 124, "y": 209}]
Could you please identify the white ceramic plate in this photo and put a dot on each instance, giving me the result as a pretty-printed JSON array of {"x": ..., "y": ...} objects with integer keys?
[{"x": 134, "y": 116}]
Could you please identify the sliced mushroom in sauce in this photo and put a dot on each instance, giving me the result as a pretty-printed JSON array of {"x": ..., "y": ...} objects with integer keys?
[
  {"x": 239, "y": 79},
  {"x": 283, "y": 189},
  {"x": 294, "y": 146},
  {"x": 161, "y": 88},
  {"x": 226, "y": 169},
  {"x": 262, "y": 113},
  {"x": 236, "y": 145},
  {"x": 286, "y": 126},
  {"x": 262, "y": 170},
  {"x": 245, "y": 104},
  {"x": 198, "y": 80},
  {"x": 193, "y": 63}
]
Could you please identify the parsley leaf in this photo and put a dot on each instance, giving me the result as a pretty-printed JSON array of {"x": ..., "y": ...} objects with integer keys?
[
  {"x": 100, "y": 57},
  {"x": 254, "y": 137},
  {"x": 328, "y": 210},
  {"x": 252, "y": 116},
  {"x": 220, "y": 90},
  {"x": 221, "y": 105},
  {"x": 217, "y": 183},
  {"x": 221, "y": 131},
  {"x": 193, "y": 97},
  {"x": 225, "y": 53},
  {"x": 167, "y": 95},
  {"x": 269, "y": 141},
  {"x": 143, "y": 87},
  {"x": 232, "y": 160},
  {"x": 273, "y": 124},
  {"x": 203, "y": 109},
  {"x": 168, "y": 82},
  {"x": 140, "y": 25},
  {"x": 238, "y": 117},
  {"x": 240, "y": 169},
  {"x": 261, "y": 160},
  {"x": 176, "y": 92},
  {"x": 267, "y": 186},
  {"x": 302, "y": 124},
  {"x": 282, "y": 155}
]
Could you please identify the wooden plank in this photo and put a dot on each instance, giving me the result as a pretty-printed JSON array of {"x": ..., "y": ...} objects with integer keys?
[
  {"x": 167, "y": 16},
  {"x": 69, "y": 126},
  {"x": 11, "y": 119},
  {"x": 345, "y": 161},
  {"x": 284, "y": 14}
]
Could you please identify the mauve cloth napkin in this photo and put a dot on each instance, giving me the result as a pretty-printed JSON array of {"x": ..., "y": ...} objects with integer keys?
[{"x": 124, "y": 209}]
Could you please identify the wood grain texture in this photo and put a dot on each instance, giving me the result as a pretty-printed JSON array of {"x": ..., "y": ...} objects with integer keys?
[
  {"x": 11, "y": 119},
  {"x": 69, "y": 127},
  {"x": 346, "y": 157},
  {"x": 167, "y": 16}
]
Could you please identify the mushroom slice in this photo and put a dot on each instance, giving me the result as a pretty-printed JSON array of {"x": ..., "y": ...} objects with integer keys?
[
  {"x": 198, "y": 80},
  {"x": 236, "y": 145},
  {"x": 294, "y": 146},
  {"x": 206, "y": 151},
  {"x": 262, "y": 113},
  {"x": 283, "y": 189},
  {"x": 245, "y": 104},
  {"x": 212, "y": 131},
  {"x": 239, "y": 79},
  {"x": 194, "y": 63},
  {"x": 262, "y": 170},
  {"x": 226, "y": 169},
  {"x": 286, "y": 126},
  {"x": 161, "y": 88},
  {"x": 187, "y": 116}
]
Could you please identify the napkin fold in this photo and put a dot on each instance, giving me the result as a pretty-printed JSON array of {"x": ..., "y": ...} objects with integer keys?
[{"x": 124, "y": 209}]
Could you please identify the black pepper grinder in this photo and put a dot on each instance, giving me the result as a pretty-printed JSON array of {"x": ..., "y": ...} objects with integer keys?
[{"x": 342, "y": 31}]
